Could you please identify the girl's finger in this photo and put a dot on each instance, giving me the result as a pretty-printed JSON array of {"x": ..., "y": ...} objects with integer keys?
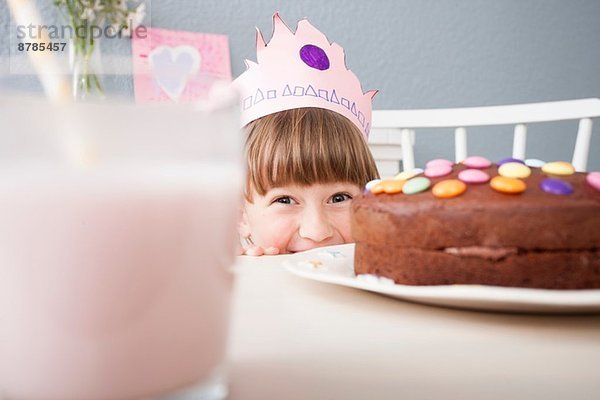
[
  {"x": 255, "y": 251},
  {"x": 271, "y": 251}
]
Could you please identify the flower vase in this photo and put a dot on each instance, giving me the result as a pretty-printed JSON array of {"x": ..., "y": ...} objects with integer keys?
[{"x": 86, "y": 68}]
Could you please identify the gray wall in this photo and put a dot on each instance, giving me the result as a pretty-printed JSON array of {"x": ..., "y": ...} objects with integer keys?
[{"x": 420, "y": 54}]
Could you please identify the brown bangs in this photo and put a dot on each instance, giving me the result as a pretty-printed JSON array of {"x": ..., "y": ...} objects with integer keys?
[{"x": 305, "y": 146}]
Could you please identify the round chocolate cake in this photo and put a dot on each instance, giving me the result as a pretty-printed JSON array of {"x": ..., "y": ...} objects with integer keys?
[{"x": 479, "y": 223}]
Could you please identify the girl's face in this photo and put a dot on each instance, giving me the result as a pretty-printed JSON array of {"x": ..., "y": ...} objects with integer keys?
[{"x": 297, "y": 218}]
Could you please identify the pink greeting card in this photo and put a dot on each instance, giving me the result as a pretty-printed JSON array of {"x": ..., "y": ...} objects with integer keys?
[{"x": 178, "y": 66}]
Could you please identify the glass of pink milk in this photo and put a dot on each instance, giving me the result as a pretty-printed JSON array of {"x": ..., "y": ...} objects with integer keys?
[{"x": 117, "y": 234}]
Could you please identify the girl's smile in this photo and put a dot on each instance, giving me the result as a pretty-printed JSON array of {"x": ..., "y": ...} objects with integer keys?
[{"x": 296, "y": 218}]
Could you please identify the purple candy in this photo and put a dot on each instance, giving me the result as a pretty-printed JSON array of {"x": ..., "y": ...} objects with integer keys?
[
  {"x": 314, "y": 57},
  {"x": 510, "y": 159},
  {"x": 556, "y": 186}
]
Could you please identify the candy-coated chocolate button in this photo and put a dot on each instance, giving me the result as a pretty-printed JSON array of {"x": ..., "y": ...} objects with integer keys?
[
  {"x": 377, "y": 188},
  {"x": 438, "y": 161},
  {"x": 437, "y": 170},
  {"x": 593, "y": 179},
  {"x": 556, "y": 186},
  {"x": 477, "y": 162},
  {"x": 392, "y": 186},
  {"x": 561, "y": 168},
  {"x": 406, "y": 175},
  {"x": 416, "y": 185},
  {"x": 473, "y": 176},
  {"x": 510, "y": 159},
  {"x": 448, "y": 188},
  {"x": 503, "y": 184},
  {"x": 372, "y": 183},
  {"x": 534, "y": 163},
  {"x": 514, "y": 170}
]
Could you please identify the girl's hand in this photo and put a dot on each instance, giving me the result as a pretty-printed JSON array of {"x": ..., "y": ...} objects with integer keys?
[
  {"x": 248, "y": 248},
  {"x": 259, "y": 251}
]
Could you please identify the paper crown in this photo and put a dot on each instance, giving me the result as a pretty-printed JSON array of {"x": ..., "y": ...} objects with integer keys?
[{"x": 301, "y": 69}]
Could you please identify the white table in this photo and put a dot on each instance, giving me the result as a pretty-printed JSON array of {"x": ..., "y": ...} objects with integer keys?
[{"x": 294, "y": 338}]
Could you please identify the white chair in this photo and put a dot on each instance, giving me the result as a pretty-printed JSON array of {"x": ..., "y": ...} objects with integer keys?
[{"x": 392, "y": 133}]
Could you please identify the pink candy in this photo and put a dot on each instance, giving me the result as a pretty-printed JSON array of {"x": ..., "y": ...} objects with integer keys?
[
  {"x": 437, "y": 170},
  {"x": 593, "y": 179},
  {"x": 473, "y": 176},
  {"x": 437, "y": 162},
  {"x": 477, "y": 162}
]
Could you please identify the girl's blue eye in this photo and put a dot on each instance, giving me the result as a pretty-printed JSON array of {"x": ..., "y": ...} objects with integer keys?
[{"x": 340, "y": 197}]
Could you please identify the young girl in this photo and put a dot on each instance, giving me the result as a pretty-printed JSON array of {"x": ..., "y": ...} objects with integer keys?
[{"x": 307, "y": 121}]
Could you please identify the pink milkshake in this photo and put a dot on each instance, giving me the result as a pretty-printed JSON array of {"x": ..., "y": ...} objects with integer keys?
[
  {"x": 114, "y": 282},
  {"x": 117, "y": 232}
]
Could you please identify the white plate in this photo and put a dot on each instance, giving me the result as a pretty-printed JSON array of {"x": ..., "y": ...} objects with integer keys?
[{"x": 335, "y": 264}]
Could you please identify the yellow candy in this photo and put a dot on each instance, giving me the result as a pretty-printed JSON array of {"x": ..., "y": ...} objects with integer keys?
[
  {"x": 514, "y": 170},
  {"x": 406, "y": 175},
  {"x": 561, "y": 168},
  {"x": 503, "y": 184},
  {"x": 392, "y": 186},
  {"x": 449, "y": 188}
]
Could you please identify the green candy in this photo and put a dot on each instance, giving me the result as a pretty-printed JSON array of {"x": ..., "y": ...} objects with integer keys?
[{"x": 416, "y": 185}]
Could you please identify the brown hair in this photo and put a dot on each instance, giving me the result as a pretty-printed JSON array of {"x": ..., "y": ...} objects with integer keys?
[{"x": 305, "y": 146}]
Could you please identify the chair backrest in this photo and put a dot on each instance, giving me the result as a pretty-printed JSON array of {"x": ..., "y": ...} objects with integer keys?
[{"x": 393, "y": 130}]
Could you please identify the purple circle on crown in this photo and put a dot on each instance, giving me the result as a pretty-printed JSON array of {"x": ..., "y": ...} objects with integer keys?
[
  {"x": 556, "y": 186},
  {"x": 314, "y": 57},
  {"x": 510, "y": 159}
]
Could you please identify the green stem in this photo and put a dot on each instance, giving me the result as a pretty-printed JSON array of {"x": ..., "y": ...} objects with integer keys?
[{"x": 83, "y": 47}]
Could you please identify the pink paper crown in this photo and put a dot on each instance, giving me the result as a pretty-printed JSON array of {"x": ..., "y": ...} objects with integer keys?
[{"x": 301, "y": 70}]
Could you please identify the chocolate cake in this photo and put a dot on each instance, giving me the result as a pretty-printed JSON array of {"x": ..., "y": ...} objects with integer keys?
[{"x": 539, "y": 238}]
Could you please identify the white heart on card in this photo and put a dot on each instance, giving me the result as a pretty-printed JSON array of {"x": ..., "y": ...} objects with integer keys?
[{"x": 172, "y": 68}]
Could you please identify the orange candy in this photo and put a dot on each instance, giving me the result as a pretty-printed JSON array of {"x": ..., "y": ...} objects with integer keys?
[
  {"x": 503, "y": 184},
  {"x": 377, "y": 189},
  {"x": 449, "y": 188},
  {"x": 392, "y": 186}
]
